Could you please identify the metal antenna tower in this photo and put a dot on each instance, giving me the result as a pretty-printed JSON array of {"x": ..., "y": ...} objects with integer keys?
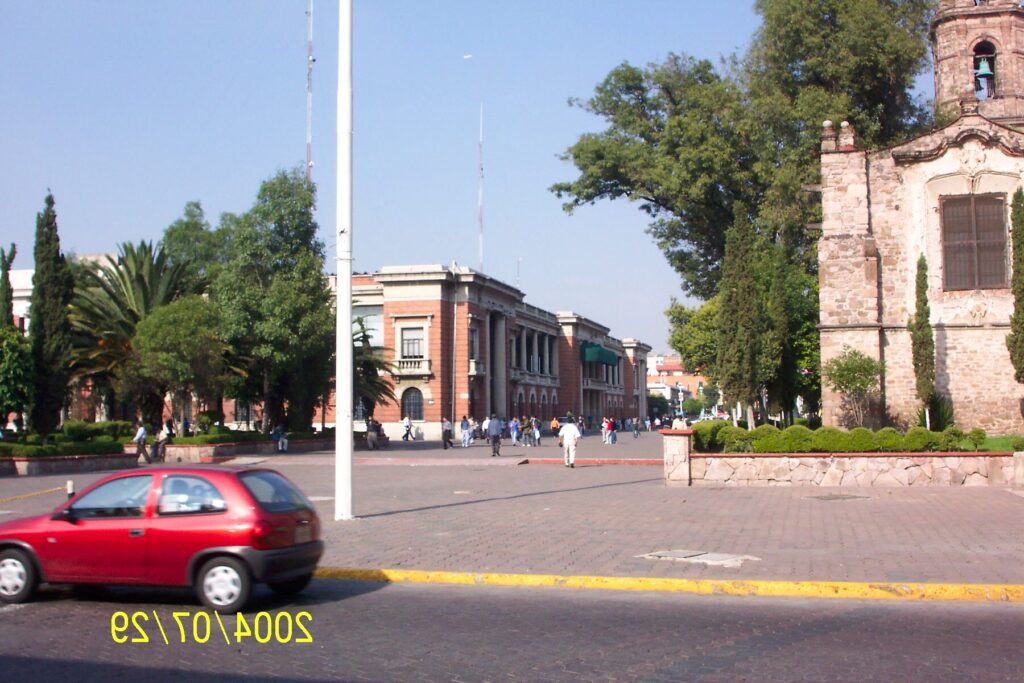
[
  {"x": 309, "y": 90},
  {"x": 480, "y": 192}
]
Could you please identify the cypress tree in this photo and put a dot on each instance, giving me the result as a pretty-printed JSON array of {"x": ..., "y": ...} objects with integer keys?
[
  {"x": 782, "y": 388},
  {"x": 739, "y": 317},
  {"x": 922, "y": 341},
  {"x": 1015, "y": 340},
  {"x": 49, "y": 330},
  {"x": 6, "y": 292}
]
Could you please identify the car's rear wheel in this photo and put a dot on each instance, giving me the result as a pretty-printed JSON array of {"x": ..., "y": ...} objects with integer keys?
[
  {"x": 17, "y": 576},
  {"x": 292, "y": 586},
  {"x": 223, "y": 584}
]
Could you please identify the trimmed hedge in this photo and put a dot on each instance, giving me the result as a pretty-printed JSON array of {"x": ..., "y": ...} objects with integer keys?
[
  {"x": 717, "y": 435},
  {"x": 85, "y": 448},
  {"x": 229, "y": 437}
]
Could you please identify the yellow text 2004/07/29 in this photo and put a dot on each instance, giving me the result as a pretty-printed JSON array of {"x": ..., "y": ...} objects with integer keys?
[{"x": 200, "y": 627}]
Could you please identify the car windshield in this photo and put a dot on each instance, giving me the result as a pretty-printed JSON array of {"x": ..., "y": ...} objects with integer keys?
[{"x": 273, "y": 492}]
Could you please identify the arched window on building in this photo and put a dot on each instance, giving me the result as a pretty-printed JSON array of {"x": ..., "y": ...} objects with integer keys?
[
  {"x": 412, "y": 403},
  {"x": 985, "y": 70},
  {"x": 544, "y": 414},
  {"x": 520, "y": 405},
  {"x": 533, "y": 404}
]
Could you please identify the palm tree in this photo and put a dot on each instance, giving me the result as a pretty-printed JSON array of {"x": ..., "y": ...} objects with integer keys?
[
  {"x": 371, "y": 376},
  {"x": 111, "y": 297}
]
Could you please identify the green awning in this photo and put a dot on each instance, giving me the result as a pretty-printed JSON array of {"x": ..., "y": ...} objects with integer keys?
[{"x": 595, "y": 353}]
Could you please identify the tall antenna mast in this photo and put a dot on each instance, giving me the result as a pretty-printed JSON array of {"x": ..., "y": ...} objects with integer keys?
[
  {"x": 309, "y": 91},
  {"x": 480, "y": 192}
]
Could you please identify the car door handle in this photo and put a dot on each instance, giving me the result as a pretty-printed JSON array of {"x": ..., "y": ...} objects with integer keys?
[{"x": 136, "y": 532}]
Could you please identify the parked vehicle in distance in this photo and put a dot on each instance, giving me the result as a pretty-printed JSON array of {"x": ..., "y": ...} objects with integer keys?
[{"x": 216, "y": 529}]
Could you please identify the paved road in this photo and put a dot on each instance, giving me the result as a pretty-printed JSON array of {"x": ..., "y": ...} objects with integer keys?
[
  {"x": 547, "y": 519},
  {"x": 371, "y": 632}
]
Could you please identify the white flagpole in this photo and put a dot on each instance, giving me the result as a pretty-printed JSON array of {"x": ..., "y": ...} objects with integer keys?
[{"x": 343, "y": 370}]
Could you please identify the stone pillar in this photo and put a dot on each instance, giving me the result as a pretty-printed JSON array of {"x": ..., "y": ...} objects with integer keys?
[
  {"x": 676, "y": 452},
  {"x": 522, "y": 348},
  {"x": 1018, "y": 470},
  {"x": 535, "y": 349}
]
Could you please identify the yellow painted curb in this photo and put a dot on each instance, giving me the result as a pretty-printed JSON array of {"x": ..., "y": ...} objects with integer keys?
[{"x": 844, "y": 590}]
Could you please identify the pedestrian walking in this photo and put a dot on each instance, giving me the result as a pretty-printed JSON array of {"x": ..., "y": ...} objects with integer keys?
[
  {"x": 465, "y": 431},
  {"x": 613, "y": 431},
  {"x": 513, "y": 428},
  {"x": 372, "y": 435},
  {"x": 568, "y": 436},
  {"x": 581, "y": 425},
  {"x": 140, "y": 443},
  {"x": 535, "y": 424},
  {"x": 407, "y": 423},
  {"x": 494, "y": 428},
  {"x": 446, "y": 433},
  {"x": 636, "y": 427}
]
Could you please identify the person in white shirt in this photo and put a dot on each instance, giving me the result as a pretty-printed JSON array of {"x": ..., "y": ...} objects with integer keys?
[
  {"x": 568, "y": 435},
  {"x": 140, "y": 442},
  {"x": 407, "y": 423}
]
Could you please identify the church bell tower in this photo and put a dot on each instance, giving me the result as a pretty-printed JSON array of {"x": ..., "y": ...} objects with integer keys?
[{"x": 978, "y": 50}]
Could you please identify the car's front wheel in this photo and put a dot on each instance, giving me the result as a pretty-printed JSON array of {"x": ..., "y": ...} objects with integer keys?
[
  {"x": 292, "y": 586},
  {"x": 223, "y": 584},
  {"x": 17, "y": 576}
]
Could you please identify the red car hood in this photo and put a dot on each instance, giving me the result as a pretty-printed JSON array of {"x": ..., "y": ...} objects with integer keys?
[{"x": 23, "y": 524}]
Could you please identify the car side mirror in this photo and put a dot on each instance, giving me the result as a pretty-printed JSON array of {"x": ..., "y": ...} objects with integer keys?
[{"x": 65, "y": 515}]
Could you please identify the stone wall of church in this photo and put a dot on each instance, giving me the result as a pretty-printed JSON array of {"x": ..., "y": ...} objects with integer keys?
[{"x": 901, "y": 199}]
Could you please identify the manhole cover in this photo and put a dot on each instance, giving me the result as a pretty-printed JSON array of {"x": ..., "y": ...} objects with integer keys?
[
  {"x": 727, "y": 560},
  {"x": 839, "y": 496}
]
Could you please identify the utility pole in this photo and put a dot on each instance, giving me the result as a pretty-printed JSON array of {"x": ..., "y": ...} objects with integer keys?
[{"x": 343, "y": 340}]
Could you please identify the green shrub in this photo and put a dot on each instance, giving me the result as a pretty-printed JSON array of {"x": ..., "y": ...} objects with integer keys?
[
  {"x": 77, "y": 430},
  {"x": 112, "y": 428},
  {"x": 218, "y": 429},
  {"x": 799, "y": 422},
  {"x": 889, "y": 440},
  {"x": 814, "y": 422},
  {"x": 795, "y": 439},
  {"x": 828, "y": 440},
  {"x": 861, "y": 440},
  {"x": 1018, "y": 443},
  {"x": 68, "y": 448},
  {"x": 977, "y": 437},
  {"x": 736, "y": 439},
  {"x": 706, "y": 435},
  {"x": 919, "y": 439},
  {"x": 766, "y": 439},
  {"x": 950, "y": 439}
]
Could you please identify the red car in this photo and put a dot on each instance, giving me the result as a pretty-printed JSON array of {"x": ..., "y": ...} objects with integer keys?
[{"x": 217, "y": 529}]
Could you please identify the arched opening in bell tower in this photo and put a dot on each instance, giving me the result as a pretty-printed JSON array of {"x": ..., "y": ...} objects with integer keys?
[{"x": 985, "y": 70}]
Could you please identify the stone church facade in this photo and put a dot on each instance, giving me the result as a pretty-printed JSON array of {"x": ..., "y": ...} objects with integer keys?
[{"x": 945, "y": 195}]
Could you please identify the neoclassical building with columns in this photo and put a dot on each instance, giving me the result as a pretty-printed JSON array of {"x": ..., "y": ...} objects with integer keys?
[
  {"x": 464, "y": 343},
  {"x": 945, "y": 195}
]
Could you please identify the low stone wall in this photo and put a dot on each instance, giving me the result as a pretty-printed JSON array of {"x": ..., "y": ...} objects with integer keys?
[
  {"x": 852, "y": 469},
  {"x": 836, "y": 469},
  {"x": 65, "y": 464}
]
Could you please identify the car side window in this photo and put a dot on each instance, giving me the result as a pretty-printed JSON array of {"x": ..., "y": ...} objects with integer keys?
[
  {"x": 124, "y": 497},
  {"x": 183, "y": 494}
]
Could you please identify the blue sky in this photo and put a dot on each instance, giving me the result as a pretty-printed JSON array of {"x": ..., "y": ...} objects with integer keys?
[{"x": 127, "y": 110}]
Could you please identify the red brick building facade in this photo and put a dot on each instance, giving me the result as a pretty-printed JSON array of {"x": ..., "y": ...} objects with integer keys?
[{"x": 463, "y": 343}]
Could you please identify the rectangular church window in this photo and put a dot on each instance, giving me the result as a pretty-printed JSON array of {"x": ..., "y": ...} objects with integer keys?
[{"x": 974, "y": 241}]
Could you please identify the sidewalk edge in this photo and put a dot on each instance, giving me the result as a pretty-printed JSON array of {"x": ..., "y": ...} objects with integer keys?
[{"x": 843, "y": 590}]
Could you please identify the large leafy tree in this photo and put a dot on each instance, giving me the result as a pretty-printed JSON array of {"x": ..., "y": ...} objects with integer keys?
[
  {"x": 49, "y": 332},
  {"x": 275, "y": 305},
  {"x": 6, "y": 291},
  {"x": 180, "y": 346},
  {"x": 17, "y": 379},
  {"x": 111, "y": 299},
  {"x": 371, "y": 372},
  {"x": 191, "y": 243},
  {"x": 695, "y": 145}
]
